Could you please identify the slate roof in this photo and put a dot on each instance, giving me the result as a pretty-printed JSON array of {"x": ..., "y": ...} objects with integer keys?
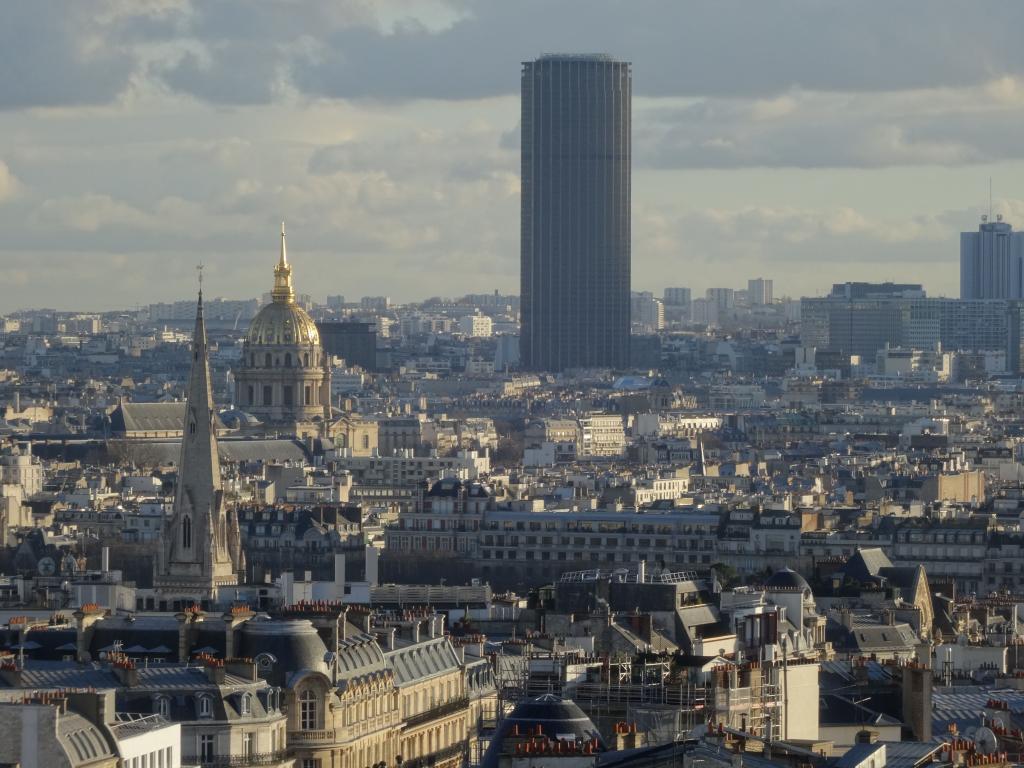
[
  {"x": 359, "y": 654},
  {"x": 148, "y": 417},
  {"x": 422, "y": 660},
  {"x": 865, "y": 564},
  {"x": 169, "y": 451},
  {"x": 869, "y": 636},
  {"x": 858, "y": 754},
  {"x": 963, "y": 705},
  {"x": 840, "y": 710}
]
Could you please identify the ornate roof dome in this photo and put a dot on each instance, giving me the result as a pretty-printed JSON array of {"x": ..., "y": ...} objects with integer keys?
[
  {"x": 282, "y": 321},
  {"x": 787, "y": 579},
  {"x": 558, "y": 720}
]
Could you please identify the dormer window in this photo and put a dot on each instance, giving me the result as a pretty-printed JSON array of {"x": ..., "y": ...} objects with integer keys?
[
  {"x": 205, "y": 706},
  {"x": 163, "y": 706},
  {"x": 245, "y": 704}
]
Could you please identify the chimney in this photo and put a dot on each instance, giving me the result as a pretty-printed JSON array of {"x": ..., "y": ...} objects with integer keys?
[
  {"x": 244, "y": 668},
  {"x": 10, "y": 674},
  {"x": 414, "y": 630},
  {"x": 846, "y": 618},
  {"x": 917, "y": 701},
  {"x": 186, "y": 621},
  {"x": 98, "y": 707},
  {"x": 125, "y": 672},
  {"x": 85, "y": 618},
  {"x": 215, "y": 673},
  {"x": 105, "y": 560}
]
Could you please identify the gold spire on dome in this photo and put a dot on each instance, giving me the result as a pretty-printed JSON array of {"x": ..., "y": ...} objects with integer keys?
[{"x": 283, "y": 292}]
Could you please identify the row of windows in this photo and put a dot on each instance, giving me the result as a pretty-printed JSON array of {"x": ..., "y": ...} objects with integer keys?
[
  {"x": 287, "y": 395},
  {"x": 581, "y": 541},
  {"x": 160, "y": 758},
  {"x": 269, "y": 361},
  {"x": 610, "y": 557}
]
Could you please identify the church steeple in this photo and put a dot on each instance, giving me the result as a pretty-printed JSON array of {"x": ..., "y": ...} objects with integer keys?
[
  {"x": 283, "y": 292},
  {"x": 199, "y": 549}
]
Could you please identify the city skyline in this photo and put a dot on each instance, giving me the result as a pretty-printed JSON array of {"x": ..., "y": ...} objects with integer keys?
[{"x": 135, "y": 145}]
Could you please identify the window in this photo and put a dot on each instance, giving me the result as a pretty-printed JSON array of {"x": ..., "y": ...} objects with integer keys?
[
  {"x": 305, "y": 359},
  {"x": 206, "y": 748},
  {"x": 268, "y": 395},
  {"x": 309, "y": 396},
  {"x": 287, "y": 395},
  {"x": 287, "y": 359},
  {"x": 252, "y": 395},
  {"x": 186, "y": 532},
  {"x": 191, "y": 427},
  {"x": 247, "y": 744},
  {"x": 307, "y": 711},
  {"x": 245, "y": 704},
  {"x": 268, "y": 361},
  {"x": 205, "y": 707},
  {"x": 163, "y": 706}
]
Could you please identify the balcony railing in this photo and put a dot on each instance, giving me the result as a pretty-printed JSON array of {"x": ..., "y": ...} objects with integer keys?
[
  {"x": 438, "y": 710},
  {"x": 448, "y": 754},
  {"x": 236, "y": 761},
  {"x": 296, "y": 737}
]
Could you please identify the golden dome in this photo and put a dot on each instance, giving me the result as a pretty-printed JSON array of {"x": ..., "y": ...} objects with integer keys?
[
  {"x": 282, "y": 324},
  {"x": 282, "y": 321}
]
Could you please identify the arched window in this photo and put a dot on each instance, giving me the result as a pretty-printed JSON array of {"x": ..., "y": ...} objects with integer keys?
[
  {"x": 245, "y": 704},
  {"x": 366, "y": 442},
  {"x": 205, "y": 706},
  {"x": 305, "y": 359},
  {"x": 307, "y": 711},
  {"x": 186, "y": 532},
  {"x": 268, "y": 361},
  {"x": 287, "y": 359}
]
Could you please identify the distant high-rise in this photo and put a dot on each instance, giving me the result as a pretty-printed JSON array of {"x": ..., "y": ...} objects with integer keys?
[
  {"x": 575, "y": 226},
  {"x": 678, "y": 297},
  {"x": 759, "y": 291},
  {"x": 992, "y": 262}
]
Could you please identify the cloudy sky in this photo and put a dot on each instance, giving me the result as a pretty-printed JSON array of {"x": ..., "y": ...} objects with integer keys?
[{"x": 811, "y": 141}]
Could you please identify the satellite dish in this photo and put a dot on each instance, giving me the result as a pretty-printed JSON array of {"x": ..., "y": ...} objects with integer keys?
[
  {"x": 47, "y": 566},
  {"x": 985, "y": 741}
]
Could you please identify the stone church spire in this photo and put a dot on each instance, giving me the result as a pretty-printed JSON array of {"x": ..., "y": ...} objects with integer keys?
[{"x": 199, "y": 549}]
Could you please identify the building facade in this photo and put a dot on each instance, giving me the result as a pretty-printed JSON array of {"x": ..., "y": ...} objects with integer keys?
[{"x": 575, "y": 225}]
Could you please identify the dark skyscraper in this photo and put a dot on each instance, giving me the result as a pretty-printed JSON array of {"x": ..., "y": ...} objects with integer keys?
[{"x": 575, "y": 223}]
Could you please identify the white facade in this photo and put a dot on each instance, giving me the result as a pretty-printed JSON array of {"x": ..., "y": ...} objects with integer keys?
[
  {"x": 602, "y": 435},
  {"x": 476, "y": 326},
  {"x": 148, "y": 742}
]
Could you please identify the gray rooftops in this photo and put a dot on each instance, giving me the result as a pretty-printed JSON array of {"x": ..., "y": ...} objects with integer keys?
[{"x": 422, "y": 660}]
